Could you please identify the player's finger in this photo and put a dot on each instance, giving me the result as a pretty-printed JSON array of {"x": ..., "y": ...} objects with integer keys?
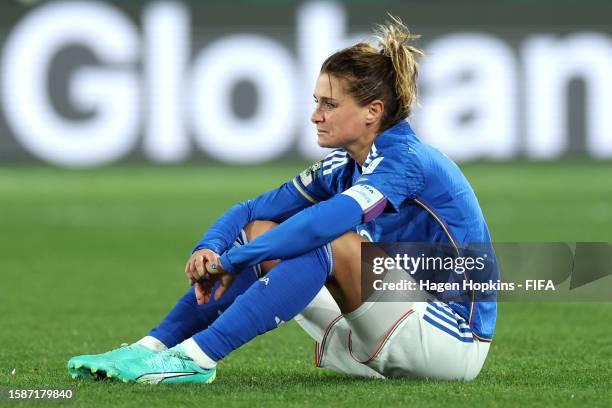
[
  {"x": 204, "y": 292},
  {"x": 188, "y": 272},
  {"x": 194, "y": 273},
  {"x": 219, "y": 292},
  {"x": 211, "y": 263},
  {"x": 199, "y": 266},
  {"x": 226, "y": 281},
  {"x": 211, "y": 257},
  {"x": 199, "y": 294},
  {"x": 206, "y": 288},
  {"x": 211, "y": 268},
  {"x": 191, "y": 266}
]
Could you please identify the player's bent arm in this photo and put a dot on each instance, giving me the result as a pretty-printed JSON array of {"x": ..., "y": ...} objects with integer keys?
[
  {"x": 311, "y": 228},
  {"x": 276, "y": 205}
]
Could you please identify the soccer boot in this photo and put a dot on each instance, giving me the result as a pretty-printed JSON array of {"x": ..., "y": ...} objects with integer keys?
[
  {"x": 172, "y": 366},
  {"x": 97, "y": 366}
]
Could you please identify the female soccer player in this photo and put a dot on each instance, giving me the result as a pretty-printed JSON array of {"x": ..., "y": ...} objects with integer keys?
[{"x": 296, "y": 249}]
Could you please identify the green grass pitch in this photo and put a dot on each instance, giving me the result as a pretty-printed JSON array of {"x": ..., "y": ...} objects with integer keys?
[{"x": 91, "y": 259}]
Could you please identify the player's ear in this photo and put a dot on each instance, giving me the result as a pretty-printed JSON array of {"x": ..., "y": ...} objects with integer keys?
[{"x": 376, "y": 108}]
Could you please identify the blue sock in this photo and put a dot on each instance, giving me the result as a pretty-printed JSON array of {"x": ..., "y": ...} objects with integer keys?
[
  {"x": 276, "y": 298},
  {"x": 188, "y": 318}
]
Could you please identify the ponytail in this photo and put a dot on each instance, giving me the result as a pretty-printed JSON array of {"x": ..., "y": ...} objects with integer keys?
[
  {"x": 389, "y": 73},
  {"x": 394, "y": 40}
]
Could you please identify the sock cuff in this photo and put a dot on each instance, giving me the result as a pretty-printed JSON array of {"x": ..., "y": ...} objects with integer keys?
[
  {"x": 152, "y": 343},
  {"x": 197, "y": 355}
]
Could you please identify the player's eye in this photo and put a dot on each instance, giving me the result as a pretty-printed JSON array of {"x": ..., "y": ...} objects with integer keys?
[{"x": 326, "y": 103}]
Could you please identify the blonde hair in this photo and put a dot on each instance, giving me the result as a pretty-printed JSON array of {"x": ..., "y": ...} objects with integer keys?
[{"x": 388, "y": 73}]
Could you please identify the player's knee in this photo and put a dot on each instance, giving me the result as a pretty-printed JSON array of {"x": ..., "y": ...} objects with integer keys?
[
  {"x": 257, "y": 228},
  {"x": 348, "y": 246}
]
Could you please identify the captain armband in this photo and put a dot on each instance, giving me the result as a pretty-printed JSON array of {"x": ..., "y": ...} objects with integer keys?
[{"x": 371, "y": 201}]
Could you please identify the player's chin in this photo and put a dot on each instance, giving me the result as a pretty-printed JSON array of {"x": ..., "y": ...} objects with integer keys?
[{"x": 323, "y": 141}]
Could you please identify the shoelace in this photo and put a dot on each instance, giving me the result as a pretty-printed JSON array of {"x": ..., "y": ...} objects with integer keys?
[{"x": 178, "y": 354}]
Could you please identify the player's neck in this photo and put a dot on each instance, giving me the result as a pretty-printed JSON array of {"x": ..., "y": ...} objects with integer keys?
[{"x": 360, "y": 149}]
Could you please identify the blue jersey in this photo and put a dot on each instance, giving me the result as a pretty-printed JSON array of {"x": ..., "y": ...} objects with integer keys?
[
  {"x": 429, "y": 200},
  {"x": 406, "y": 191}
]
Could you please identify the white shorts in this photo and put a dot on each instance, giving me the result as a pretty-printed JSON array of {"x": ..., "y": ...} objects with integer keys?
[{"x": 416, "y": 338}]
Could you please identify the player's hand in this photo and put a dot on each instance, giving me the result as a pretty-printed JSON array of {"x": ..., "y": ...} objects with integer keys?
[
  {"x": 214, "y": 275},
  {"x": 195, "y": 269}
]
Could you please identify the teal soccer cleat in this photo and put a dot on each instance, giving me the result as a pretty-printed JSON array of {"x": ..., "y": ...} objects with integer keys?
[
  {"x": 172, "y": 366},
  {"x": 101, "y": 366}
]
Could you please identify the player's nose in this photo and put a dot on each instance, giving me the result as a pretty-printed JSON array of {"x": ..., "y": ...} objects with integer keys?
[{"x": 316, "y": 116}]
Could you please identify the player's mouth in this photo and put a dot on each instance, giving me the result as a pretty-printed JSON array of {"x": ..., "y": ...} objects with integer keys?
[{"x": 321, "y": 132}]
